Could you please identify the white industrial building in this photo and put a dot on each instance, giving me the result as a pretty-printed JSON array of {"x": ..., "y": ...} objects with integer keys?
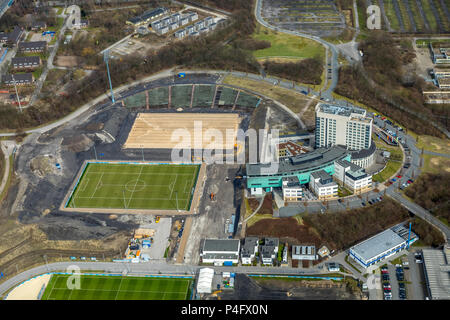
[
  {"x": 249, "y": 250},
  {"x": 337, "y": 125},
  {"x": 436, "y": 266},
  {"x": 323, "y": 186},
  {"x": 352, "y": 176},
  {"x": 382, "y": 246},
  {"x": 304, "y": 253},
  {"x": 220, "y": 251},
  {"x": 292, "y": 190},
  {"x": 205, "y": 279}
]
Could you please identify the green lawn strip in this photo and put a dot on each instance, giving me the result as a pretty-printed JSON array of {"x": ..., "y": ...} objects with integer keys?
[
  {"x": 287, "y": 45},
  {"x": 390, "y": 13},
  {"x": 10, "y": 173},
  {"x": 405, "y": 16},
  {"x": 429, "y": 15},
  {"x": 351, "y": 264},
  {"x": 118, "y": 288},
  {"x": 135, "y": 186},
  {"x": 420, "y": 24}
]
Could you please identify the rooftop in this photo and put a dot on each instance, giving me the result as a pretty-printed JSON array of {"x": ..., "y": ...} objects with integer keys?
[
  {"x": 340, "y": 110},
  {"x": 380, "y": 243},
  {"x": 301, "y": 163},
  {"x": 437, "y": 266},
  {"x": 218, "y": 245},
  {"x": 304, "y": 250}
]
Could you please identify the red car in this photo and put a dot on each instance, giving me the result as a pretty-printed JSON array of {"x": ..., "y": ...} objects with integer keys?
[{"x": 399, "y": 176}]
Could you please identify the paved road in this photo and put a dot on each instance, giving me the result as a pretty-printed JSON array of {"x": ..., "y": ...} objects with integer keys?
[
  {"x": 7, "y": 149},
  {"x": 153, "y": 267}
]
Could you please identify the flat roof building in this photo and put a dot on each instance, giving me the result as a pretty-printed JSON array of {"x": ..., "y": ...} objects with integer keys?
[
  {"x": 352, "y": 176},
  {"x": 269, "y": 250},
  {"x": 220, "y": 251},
  {"x": 148, "y": 16},
  {"x": 323, "y": 186},
  {"x": 436, "y": 266},
  {"x": 381, "y": 246},
  {"x": 304, "y": 253},
  {"x": 337, "y": 125},
  {"x": 292, "y": 190},
  {"x": 267, "y": 176},
  {"x": 249, "y": 250}
]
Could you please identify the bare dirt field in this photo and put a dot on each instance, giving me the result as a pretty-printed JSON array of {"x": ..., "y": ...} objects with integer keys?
[
  {"x": 163, "y": 130},
  {"x": 67, "y": 61},
  {"x": 30, "y": 289},
  {"x": 284, "y": 228},
  {"x": 247, "y": 288}
]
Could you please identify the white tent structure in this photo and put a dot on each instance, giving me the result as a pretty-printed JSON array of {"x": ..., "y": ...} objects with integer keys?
[{"x": 205, "y": 279}]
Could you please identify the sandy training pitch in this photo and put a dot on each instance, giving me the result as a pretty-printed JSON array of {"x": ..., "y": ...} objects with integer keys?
[
  {"x": 168, "y": 131},
  {"x": 29, "y": 290}
]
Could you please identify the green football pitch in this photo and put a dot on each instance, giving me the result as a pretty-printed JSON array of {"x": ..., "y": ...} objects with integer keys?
[
  {"x": 135, "y": 186},
  {"x": 118, "y": 288}
]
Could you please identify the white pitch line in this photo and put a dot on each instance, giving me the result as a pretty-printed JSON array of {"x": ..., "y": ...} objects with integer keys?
[
  {"x": 99, "y": 180},
  {"x": 131, "y": 197},
  {"x": 134, "y": 198}
]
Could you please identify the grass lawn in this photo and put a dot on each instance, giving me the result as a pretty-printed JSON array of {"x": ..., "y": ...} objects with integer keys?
[
  {"x": 429, "y": 14},
  {"x": 258, "y": 217},
  {"x": 118, "y": 288},
  {"x": 291, "y": 99},
  {"x": 135, "y": 186},
  {"x": 434, "y": 164},
  {"x": 392, "y": 166},
  {"x": 286, "y": 45},
  {"x": 390, "y": 13},
  {"x": 434, "y": 144}
]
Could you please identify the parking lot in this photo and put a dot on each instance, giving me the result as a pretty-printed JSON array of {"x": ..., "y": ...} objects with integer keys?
[
  {"x": 404, "y": 280},
  {"x": 37, "y": 36}
]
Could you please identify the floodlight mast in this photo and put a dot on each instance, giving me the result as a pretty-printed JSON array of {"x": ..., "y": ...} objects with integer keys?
[
  {"x": 17, "y": 94},
  {"x": 106, "y": 59}
]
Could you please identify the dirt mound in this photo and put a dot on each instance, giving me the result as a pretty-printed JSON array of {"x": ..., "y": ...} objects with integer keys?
[
  {"x": 284, "y": 228},
  {"x": 94, "y": 126},
  {"x": 77, "y": 143}
]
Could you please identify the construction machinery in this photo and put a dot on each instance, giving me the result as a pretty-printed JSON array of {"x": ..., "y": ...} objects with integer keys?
[
  {"x": 212, "y": 196},
  {"x": 157, "y": 218}
]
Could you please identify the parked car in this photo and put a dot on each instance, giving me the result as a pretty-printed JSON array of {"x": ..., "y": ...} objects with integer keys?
[{"x": 399, "y": 176}]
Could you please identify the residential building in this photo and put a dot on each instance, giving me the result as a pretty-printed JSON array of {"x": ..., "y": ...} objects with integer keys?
[
  {"x": 199, "y": 25},
  {"x": 193, "y": 17},
  {"x": 212, "y": 26},
  {"x": 173, "y": 26},
  {"x": 203, "y": 30},
  {"x": 184, "y": 21},
  {"x": 19, "y": 79},
  {"x": 304, "y": 253},
  {"x": 440, "y": 55},
  {"x": 175, "y": 17},
  {"x": 148, "y": 16},
  {"x": 162, "y": 30},
  {"x": 292, "y": 190},
  {"x": 352, "y": 176},
  {"x": 190, "y": 29},
  {"x": 194, "y": 34},
  {"x": 323, "y": 186},
  {"x": 11, "y": 38},
  {"x": 19, "y": 63},
  {"x": 34, "y": 46},
  {"x": 208, "y": 21},
  {"x": 382, "y": 246},
  {"x": 436, "y": 267},
  {"x": 249, "y": 250},
  {"x": 166, "y": 21},
  {"x": 364, "y": 157},
  {"x": 337, "y": 125},
  {"x": 268, "y": 251},
  {"x": 38, "y": 25},
  {"x": 220, "y": 251}
]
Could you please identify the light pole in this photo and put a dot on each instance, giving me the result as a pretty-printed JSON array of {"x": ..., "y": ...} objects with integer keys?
[
  {"x": 106, "y": 59},
  {"x": 17, "y": 94}
]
